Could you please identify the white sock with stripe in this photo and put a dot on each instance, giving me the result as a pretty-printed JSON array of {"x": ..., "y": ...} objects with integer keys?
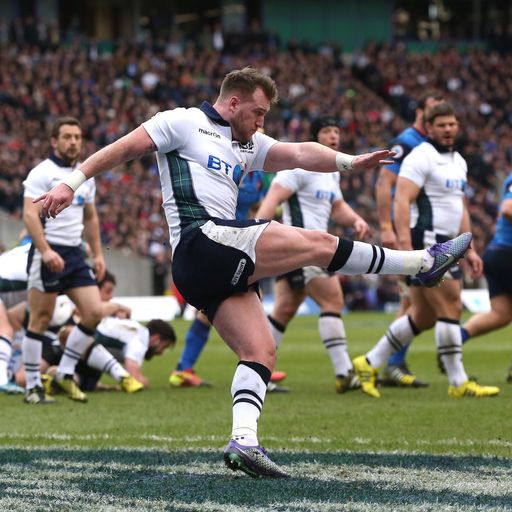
[
  {"x": 399, "y": 334},
  {"x": 449, "y": 347},
  {"x": 354, "y": 258},
  {"x": 79, "y": 339},
  {"x": 101, "y": 359},
  {"x": 332, "y": 333},
  {"x": 248, "y": 390},
  {"x": 32, "y": 351}
]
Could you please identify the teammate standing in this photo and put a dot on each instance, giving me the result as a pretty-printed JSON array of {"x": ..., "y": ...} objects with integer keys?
[
  {"x": 309, "y": 200},
  {"x": 397, "y": 372},
  {"x": 57, "y": 264},
  {"x": 430, "y": 206}
]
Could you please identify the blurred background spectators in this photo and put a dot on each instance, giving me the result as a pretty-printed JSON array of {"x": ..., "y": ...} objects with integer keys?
[{"x": 114, "y": 87}]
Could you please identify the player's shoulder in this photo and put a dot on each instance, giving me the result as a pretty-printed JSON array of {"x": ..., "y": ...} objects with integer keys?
[{"x": 43, "y": 167}]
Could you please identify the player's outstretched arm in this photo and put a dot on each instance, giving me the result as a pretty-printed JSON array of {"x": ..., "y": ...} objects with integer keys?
[
  {"x": 133, "y": 145},
  {"x": 316, "y": 157}
]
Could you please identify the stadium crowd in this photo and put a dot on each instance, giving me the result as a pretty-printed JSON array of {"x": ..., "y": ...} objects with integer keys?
[{"x": 111, "y": 92}]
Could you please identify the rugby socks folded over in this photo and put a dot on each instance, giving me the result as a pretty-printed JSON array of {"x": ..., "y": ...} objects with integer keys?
[
  {"x": 79, "y": 339},
  {"x": 248, "y": 390},
  {"x": 398, "y": 336},
  {"x": 332, "y": 333},
  {"x": 354, "y": 258}
]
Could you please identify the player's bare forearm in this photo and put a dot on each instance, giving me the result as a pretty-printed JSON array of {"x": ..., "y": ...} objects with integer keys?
[
  {"x": 402, "y": 216},
  {"x": 385, "y": 182},
  {"x": 316, "y": 157},
  {"x": 133, "y": 145},
  {"x": 32, "y": 221}
]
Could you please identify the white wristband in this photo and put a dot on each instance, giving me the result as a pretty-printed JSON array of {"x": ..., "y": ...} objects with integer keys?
[
  {"x": 75, "y": 179},
  {"x": 344, "y": 161}
]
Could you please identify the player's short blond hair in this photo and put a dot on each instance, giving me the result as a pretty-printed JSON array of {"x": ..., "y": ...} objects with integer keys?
[{"x": 245, "y": 81}]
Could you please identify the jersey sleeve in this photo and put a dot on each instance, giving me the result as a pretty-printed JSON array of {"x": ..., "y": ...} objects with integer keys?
[
  {"x": 169, "y": 130},
  {"x": 290, "y": 179},
  {"x": 415, "y": 167},
  {"x": 36, "y": 183},
  {"x": 135, "y": 349},
  {"x": 262, "y": 144}
]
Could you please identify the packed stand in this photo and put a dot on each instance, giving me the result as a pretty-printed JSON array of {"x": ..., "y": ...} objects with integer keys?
[{"x": 112, "y": 92}]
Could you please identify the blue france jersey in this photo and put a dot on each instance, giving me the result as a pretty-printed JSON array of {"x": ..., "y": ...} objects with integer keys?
[
  {"x": 402, "y": 145},
  {"x": 503, "y": 235},
  {"x": 251, "y": 191}
]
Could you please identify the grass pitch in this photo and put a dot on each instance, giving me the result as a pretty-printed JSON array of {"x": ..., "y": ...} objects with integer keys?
[{"x": 412, "y": 450}]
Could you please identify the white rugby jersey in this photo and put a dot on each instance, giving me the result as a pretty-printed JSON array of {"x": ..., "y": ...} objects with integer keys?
[
  {"x": 13, "y": 263},
  {"x": 200, "y": 164},
  {"x": 66, "y": 228},
  {"x": 314, "y": 194},
  {"x": 442, "y": 178},
  {"x": 133, "y": 336}
]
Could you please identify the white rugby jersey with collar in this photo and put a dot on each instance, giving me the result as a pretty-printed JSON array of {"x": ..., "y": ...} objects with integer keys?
[
  {"x": 314, "y": 194},
  {"x": 130, "y": 336},
  {"x": 200, "y": 164},
  {"x": 13, "y": 263},
  {"x": 441, "y": 176},
  {"x": 66, "y": 229}
]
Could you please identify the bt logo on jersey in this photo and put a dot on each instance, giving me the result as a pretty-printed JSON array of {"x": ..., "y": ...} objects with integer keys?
[
  {"x": 455, "y": 184},
  {"x": 216, "y": 164}
]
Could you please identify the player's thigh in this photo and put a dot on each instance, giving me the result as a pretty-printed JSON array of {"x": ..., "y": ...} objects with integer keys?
[
  {"x": 501, "y": 305},
  {"x": 88, "y": 301},
  {"x": 287, "y": 301},
  {"x": 326, "y": 292},
  {"x": 241, "y": 322},
  {"x": 282, "y": 248}
]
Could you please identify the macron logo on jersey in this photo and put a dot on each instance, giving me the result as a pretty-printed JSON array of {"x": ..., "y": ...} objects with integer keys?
[{"x": 211, "y": 134}]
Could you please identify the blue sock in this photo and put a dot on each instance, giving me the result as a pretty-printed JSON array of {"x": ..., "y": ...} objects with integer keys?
[
  {"x": 195, "y": 340},
  {"x": 465, "y": 335},
  {"x": 398, "y": 357}
]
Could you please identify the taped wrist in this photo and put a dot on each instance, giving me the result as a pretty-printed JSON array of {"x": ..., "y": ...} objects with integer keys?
[
  {"x": 344, "y": 161},
  {"x": 75, "y": 179}
]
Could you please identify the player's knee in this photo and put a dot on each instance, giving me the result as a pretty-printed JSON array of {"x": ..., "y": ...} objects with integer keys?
[
  {"x": 92, "y": 318},
  {"x": 321, "y": 244}
]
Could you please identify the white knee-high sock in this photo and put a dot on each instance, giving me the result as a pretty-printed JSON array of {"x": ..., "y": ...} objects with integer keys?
[
  {"x": 449, "y": 346},
  {"x": 79, "y": 339},
  {"x": 354, "y": 258},
  {"x": 277, "y": 330},
  {"x": 332, "y": 333},
  {"x": 5, "y": 357},
  {"x": 399, "y": 334},
  {"x": 248, "y": 390},
  {"x": 101, "y": 359},
  {"x": 32, "y": 351}
]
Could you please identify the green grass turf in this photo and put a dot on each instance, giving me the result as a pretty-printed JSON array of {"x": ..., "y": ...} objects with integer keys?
[{"x": 414, "y": 449}]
